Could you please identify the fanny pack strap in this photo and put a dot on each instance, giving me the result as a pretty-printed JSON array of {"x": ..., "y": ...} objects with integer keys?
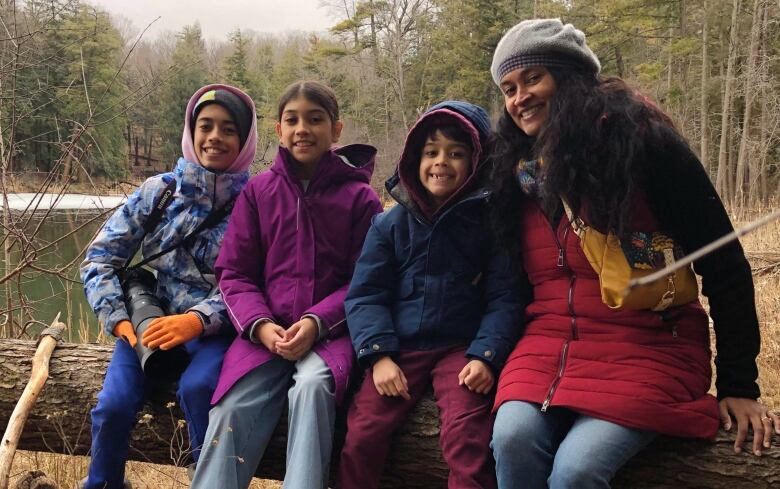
[{"x": 577, "y": 224}]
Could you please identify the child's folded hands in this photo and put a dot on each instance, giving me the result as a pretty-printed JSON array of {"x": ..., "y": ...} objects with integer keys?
[
  {"x": 477, "y": 376},
  {"x": 298, "y": 339},
  {"x": 169, "y": 331},
  {"x": 269, "y": 333},
  {"x": 389, "y": 379}
]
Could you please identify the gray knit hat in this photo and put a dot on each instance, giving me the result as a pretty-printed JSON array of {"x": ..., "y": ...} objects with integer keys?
[{"x": 542, "y": 42}]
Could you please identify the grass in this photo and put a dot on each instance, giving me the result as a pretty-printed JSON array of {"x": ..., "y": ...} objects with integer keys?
[
  {"x": 763, "y": 251},
  {"x": 66, "y": 471},
  {"x": 762, "y": 248}
]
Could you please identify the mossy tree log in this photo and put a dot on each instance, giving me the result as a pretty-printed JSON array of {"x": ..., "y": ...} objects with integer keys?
[{"x": 60, "y": 423}]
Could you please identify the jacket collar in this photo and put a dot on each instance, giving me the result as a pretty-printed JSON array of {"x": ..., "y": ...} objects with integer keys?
[
  {"x": 353, "y": 162},
  {"x": 404, "y": 198},
  {"x": 196, "y": 182}
]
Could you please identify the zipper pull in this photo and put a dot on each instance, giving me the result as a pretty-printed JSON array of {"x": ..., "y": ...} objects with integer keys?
[
  {"x": 674, "y": 331},
  {"x": 545, "y": 405},
  {"x": 560, "y": 257}
]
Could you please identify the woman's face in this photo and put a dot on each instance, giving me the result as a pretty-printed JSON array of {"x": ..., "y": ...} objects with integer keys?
[{"x": 527, "y": 95}]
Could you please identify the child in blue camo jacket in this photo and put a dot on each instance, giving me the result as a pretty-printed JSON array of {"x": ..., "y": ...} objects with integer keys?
[{"x": 218, "y": 145}]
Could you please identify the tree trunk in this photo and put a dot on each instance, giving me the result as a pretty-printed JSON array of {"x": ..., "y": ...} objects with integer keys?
[
  {"x": 722, "y": 180},
  {"x": 704, "y": 145},
  {"x": 619, "y": 64},
  {"x": 669, "y": 67},
  {"x": 763, "y": 190},
  {"x": 750, "y": 97},
  {"x": 60, "y": 422}
]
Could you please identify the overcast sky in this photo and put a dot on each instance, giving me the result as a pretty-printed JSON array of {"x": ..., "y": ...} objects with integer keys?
[{"x": 218, "y": 18}]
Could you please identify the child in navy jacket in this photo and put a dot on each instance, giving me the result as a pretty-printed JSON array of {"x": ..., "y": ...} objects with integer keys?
[{"x": 431, "y": 302}]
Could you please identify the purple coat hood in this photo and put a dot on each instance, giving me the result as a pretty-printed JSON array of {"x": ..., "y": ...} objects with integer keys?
[{"x": 289, "y": 252}]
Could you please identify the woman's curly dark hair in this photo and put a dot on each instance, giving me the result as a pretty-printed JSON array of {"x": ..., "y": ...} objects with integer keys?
[{"x": 593, "y": 147}]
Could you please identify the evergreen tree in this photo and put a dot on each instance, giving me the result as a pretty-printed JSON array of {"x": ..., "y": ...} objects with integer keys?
[
  {"x": 93, "y": 94},
  {"x": 186, "y": 74},
  {"x": 235, "y": 65}
]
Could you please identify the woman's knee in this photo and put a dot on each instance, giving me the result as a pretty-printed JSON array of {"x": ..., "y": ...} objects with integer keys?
[
  {"x": 569, "y": 472},
  {"x": 515, "y": 427}
]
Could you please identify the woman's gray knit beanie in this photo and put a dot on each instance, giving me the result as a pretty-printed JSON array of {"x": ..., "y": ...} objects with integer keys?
[{"x": 542, "y": 42}]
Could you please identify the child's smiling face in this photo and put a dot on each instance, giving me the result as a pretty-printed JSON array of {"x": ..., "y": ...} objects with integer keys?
[
  {"x": 444, "y": 166},
  {"x": 216, "y": 138},
  {"x": 307, "y": 131}
]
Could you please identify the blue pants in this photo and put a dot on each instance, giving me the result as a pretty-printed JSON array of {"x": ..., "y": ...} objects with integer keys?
[
  {"x": 559, "y": 449},
  {"x": 242, "y": 423},
  {"x": 124, "y": 391}
]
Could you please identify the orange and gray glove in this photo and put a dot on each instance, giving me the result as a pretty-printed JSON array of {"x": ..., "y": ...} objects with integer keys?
[
  {"x": 169, "y": 331},
  {"x": 124, "y": 330}
]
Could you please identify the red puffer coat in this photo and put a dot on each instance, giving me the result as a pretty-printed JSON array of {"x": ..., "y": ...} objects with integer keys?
[{"x": 641, "y": 369}]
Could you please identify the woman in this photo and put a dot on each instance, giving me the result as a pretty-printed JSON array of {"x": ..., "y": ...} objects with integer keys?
[{"x": 588, "y": 386}]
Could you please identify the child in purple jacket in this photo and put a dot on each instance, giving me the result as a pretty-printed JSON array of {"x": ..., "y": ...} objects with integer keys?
[{"x": 284, "y": 267}]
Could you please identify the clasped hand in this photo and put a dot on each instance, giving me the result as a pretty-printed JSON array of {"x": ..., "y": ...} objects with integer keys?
[
  {"x": 291, "y": 344},
  {"x": 749, "y": 413}
]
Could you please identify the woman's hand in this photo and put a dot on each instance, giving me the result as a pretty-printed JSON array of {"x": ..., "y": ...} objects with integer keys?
[
  {"x": 298, "y": 339},
  {"x": 748, "y": 412},
  {"x": 389, "y": 379},
  {"x": 477, "y": 376}
]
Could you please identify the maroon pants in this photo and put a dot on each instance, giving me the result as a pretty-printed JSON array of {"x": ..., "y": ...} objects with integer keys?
[{"x": 466, "y": 422}]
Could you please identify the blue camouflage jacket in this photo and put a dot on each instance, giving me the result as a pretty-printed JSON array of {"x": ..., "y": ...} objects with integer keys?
[{"x": 185, "y": 276}]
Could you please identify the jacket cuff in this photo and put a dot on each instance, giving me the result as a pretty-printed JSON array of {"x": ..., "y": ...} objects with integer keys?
[
  {"x": 322, "y": 330},
  {"x": 251, "y": 335},
  {"x": 387, "y": 346},
  {"x": 487, "y": 354},
  {"x": 212, "y": 321},
  {"x": 112, "y": 319}
]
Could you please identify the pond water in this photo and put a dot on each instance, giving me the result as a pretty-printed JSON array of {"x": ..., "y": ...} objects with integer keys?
[{"x": 53, "y": 286}]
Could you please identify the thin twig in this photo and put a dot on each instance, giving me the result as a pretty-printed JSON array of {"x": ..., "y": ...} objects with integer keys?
[{"x": 684, "y": 262}]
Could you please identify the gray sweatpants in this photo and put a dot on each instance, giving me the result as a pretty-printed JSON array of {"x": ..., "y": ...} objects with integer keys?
[{"x": 241, "y": 425}]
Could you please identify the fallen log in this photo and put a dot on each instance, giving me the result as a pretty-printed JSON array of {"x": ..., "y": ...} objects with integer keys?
[{"x": 60, "y": 423}]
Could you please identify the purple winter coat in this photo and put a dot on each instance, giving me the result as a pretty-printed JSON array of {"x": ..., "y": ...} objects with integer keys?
[{"x": 289, "y": 252}]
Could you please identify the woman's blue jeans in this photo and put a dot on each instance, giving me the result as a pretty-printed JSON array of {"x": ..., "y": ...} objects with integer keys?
[{"x": 559, "y": 448}]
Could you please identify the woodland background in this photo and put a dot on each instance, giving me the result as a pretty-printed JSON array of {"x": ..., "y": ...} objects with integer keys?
[
  {"x": 88, "y": 103},
  {"x": 88, "y": 97}
]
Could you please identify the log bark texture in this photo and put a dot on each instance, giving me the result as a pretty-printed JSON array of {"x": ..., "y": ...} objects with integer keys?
[{"x": 60, "y": 423}]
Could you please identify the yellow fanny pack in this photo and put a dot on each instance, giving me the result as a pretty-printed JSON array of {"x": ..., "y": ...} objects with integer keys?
[{"x": 607, "y": 256}]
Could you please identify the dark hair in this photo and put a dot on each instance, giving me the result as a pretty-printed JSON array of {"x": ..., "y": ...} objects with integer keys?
[
  {"x": 594, "y": 148},
  {"x": 313, "y": 91},
  {"x": 443, "y": 124}
]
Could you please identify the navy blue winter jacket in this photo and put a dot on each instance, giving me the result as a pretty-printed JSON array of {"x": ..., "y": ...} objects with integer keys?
[{"x": 425, "y": 282}]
